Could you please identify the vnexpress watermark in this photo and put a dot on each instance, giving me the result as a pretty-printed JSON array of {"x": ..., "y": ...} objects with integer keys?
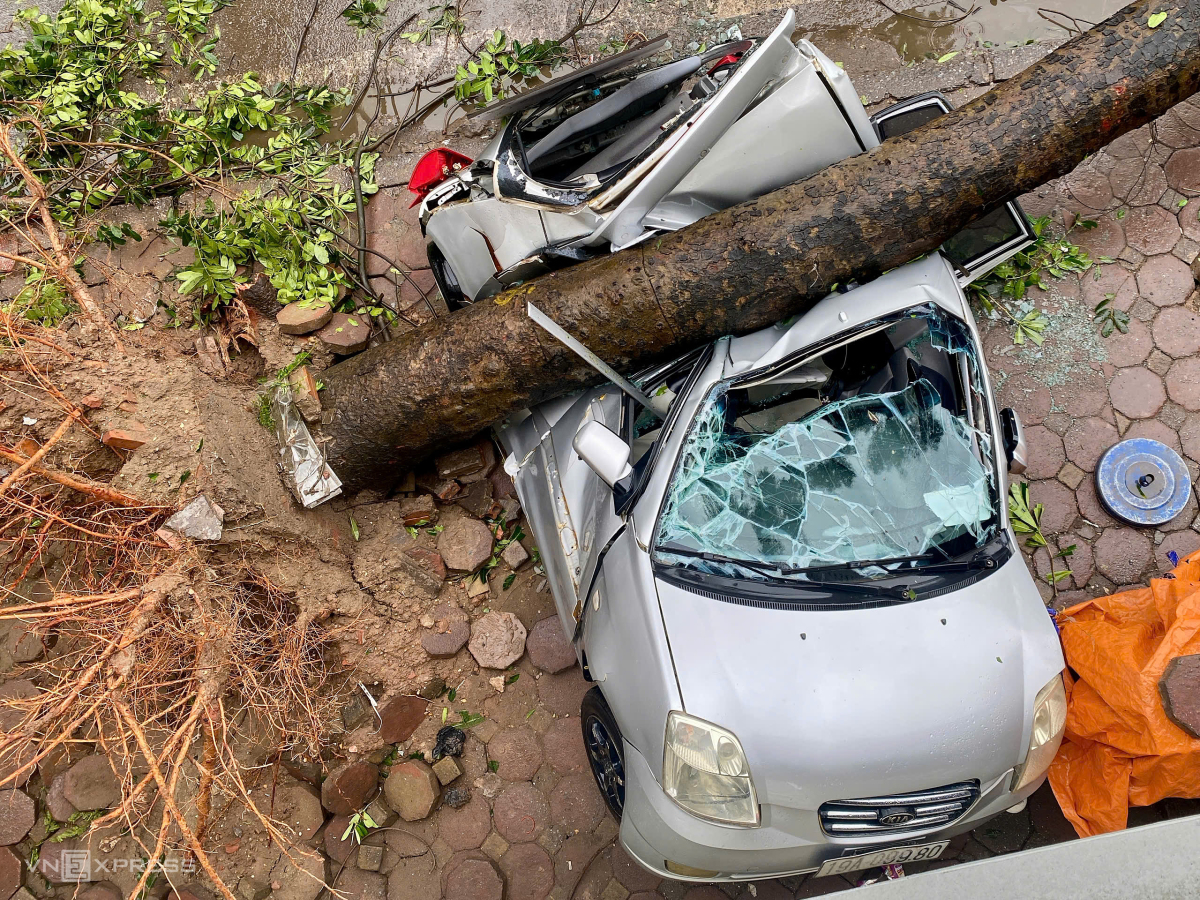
[{"x": 81, "y": 865}]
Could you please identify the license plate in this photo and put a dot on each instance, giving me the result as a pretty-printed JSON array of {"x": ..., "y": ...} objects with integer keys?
[{"x": 916, "y": 853}]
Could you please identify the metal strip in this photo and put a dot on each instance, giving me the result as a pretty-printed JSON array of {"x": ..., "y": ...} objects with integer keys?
[{"x": 556, "y": 331}]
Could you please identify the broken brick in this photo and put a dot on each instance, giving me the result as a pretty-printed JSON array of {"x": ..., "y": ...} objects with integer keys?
[
  {"x": 304, "y": 393},
  {"x": 345, "y": 334},
  {"x": 129, "y": 437},
  {"x": 1179, "y": 688},
  {"x": 418, "y": 511}
]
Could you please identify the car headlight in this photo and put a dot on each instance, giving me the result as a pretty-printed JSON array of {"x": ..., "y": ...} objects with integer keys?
[
  {"x": 705, "y": 771},
  {"x": 1049, "y": 722}
]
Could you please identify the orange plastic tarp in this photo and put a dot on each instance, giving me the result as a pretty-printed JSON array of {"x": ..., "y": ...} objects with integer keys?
[{"x": 1120, "y": 749}]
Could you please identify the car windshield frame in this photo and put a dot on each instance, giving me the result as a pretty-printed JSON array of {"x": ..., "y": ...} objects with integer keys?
[{"x": 976, "y": 418}]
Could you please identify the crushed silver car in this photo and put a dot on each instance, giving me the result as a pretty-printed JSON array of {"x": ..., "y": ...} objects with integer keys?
[
  {"x": 791, "y": 577},
  {"x": 614, "y": 153}
]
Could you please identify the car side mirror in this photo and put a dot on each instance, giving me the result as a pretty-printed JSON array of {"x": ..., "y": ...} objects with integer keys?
[
  {"x": 604, "y": 452},
  {"x": 1013, "y": 437}
]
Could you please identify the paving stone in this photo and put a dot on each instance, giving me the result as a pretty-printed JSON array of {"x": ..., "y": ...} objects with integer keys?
[
  {"x": 337, "y": 848},
  {"x": 1045, "y": 457},
  {"x": 576, "y": 804},
  {"x": 1131, "y": 145},
  {"x": 1089, "y": 504},
  {"x": 497, "y": 640},
  {"x": 1177, "y": 332},
  {"x": 562, "y": 693},
  {"x": 402, "y": 716},
  {"x": 1155, "y": 430},
  {"x": 415, "y": 878},
  {"x": 1090, "y": 188},
  {"x": 1183, "y": 383},
  {"x": 298, "y": 806},
  {"x": 515, "y": 555},
  {"x": 345, "y": 334},
  {"x": 548, "y": 646},
  {"x": 466, "y": 827},
  {"x": 529, "y": 872},
  {"x": 425, "y": 566},
  {"x": 472, "y": 876},
  {"x": 64, "y": 862},
  {"x": 563, "y": 743},
  {"x": 10, "y": 873},
  {"x": 59, "y": 807},
  {"x": 370, "y": 859},
  {"x": 1151, "y": 230},
  {"x": 1183, "y": 171},
  {"x": 1114, "y": 279},
  {"x": 1179, "y": 688},
  {"x": 17, "y": 815},
  {"x": 411, "y": 789},
  {"x": 1026, "y": 394},
  {"x": 1059, "y": 510},
  {"x": 1086, "y": 439},
  {"x": 98, "y": 890},
  {"x": 1122, "y": 554},
  {"x": 295, "y": 318},
  {"x": 357, "y": 883},
  {"x": 1189, "y": 220},
  {"x": 1132, "y": 347},
  {"x": 518, "y": 753},
  {"x": 381, "y": 814},
  {"x": 629, "y": 873},
  {"x": 450, "y": 631},
  {"x": 447, "y": 769},
  {"x": 1159, "y": 363},
  {"x": 1106, "y": 239},
  {"x": 1071, "y": 475},
  {"x": 189, "y": 891},
  {"x": 1165, "y": 280},
  {"x": 520, "y": 812},
  {"x": 349, "y": 787},
  {"x": 1137, "y": 392},
  {"x": 1189, "y": 251},
  {"x": 1183, "y": 543},
  {"x": 1137, "y": 181},
  {"x": 494, "y": 846},
  {"x": 466, "y": 544},
  {"x": 1189, "y": 437},
  {"x": 92, "y": 784},
  {"x": 1172, "y": 130}
]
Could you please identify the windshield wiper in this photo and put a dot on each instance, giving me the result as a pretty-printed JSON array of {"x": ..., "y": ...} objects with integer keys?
[
  {"x": 856, "y": 564},
  {"x": 776, "y": 572},
  {"x": 768, "y": 569}
]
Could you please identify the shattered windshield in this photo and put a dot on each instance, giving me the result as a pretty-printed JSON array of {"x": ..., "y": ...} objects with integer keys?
[{"x": 876, "y": 449}]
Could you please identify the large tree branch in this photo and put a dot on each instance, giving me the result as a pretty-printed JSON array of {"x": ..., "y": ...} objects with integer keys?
[{"x": 759, "y": 262}]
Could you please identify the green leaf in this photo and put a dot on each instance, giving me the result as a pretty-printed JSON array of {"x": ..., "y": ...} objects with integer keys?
[
  {"x": 1157, "y": 19},
  {"x": 949, "y": 56},
  {"x": 353, "y": 528}
]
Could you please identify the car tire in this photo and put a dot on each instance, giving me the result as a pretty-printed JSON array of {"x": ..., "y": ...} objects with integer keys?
[
  {"x": 447, "y": 281},
  {"x": 605, "y": 749}
]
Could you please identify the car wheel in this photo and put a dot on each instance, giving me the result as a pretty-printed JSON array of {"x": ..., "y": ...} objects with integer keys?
[
  {"x": 447, "y": 281},
  {"x": 605, "y": 749}
]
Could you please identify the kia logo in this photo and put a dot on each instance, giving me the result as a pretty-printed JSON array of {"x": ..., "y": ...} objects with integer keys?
[{"x": 894, "y": 817}]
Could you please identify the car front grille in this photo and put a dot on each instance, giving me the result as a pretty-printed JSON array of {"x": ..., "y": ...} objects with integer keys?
[{"x": 898, "y": 813}]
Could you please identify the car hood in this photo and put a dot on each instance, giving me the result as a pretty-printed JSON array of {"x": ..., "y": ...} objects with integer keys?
[{"x": 841, "y": 704}]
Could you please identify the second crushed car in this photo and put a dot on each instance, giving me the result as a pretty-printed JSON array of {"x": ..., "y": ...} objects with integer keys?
[{"x": 813, "y": 642}]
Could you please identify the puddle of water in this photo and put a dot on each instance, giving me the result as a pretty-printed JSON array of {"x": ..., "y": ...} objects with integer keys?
[{"x": 999, "y": 23}]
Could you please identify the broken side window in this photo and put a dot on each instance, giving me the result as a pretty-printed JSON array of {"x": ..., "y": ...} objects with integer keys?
[{"x": 875, "y": 449}]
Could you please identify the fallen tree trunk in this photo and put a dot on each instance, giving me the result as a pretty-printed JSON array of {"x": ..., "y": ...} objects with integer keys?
[{"x": 756, "y": 263}]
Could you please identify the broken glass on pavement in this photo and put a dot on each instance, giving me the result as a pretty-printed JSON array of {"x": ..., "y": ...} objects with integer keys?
[{"x": 866, "y": 452}]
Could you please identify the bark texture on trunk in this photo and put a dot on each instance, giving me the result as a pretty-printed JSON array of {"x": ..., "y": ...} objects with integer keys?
[{"x": 759, "y": 262}]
